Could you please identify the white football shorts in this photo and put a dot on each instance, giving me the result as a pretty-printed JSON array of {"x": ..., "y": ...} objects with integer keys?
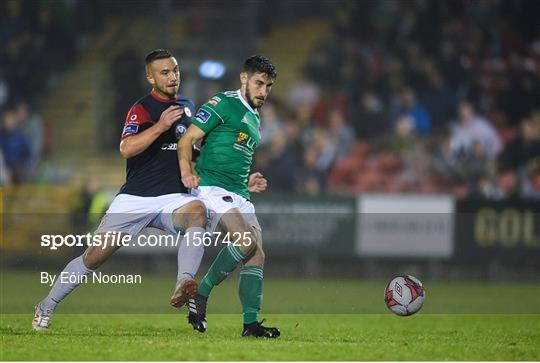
[
  {"x": 218, "y": 201},
  {"x": 131, "y": 213}
]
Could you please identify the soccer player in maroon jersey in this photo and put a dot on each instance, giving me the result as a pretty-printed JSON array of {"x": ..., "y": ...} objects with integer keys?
[{"x": 152, "y": 195}]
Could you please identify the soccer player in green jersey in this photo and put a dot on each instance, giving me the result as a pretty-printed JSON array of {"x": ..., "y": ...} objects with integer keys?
[{"x": 229, "y": 125}]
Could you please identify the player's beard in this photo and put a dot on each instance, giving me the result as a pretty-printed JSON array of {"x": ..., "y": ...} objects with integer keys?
[
  {"x": 166, "y": 91},
  {"x": 250, "y": 100}
]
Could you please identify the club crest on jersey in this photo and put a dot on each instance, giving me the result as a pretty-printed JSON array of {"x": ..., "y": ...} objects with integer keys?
[
  {"x": 202, "y": 116},
  {"x": 130, "y": 129},
  {"x": 245, "y": 143},
  {"x": 179, "y": 130},
  {"x": 241, "y": 137}
]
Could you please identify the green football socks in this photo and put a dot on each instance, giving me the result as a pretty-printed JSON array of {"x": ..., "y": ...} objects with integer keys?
[
  {"x": 226, "y": 261},
  {"x": 250, "y": 290}
]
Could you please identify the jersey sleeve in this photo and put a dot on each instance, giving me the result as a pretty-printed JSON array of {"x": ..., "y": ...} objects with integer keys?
[
  {"x": 210, "y": 115},
  {"x": 136, "y": 117},
  {"x": 180, "y": 126}
]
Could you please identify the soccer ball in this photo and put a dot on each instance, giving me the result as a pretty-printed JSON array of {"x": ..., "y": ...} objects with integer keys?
[{"x": 404, "y": 295}]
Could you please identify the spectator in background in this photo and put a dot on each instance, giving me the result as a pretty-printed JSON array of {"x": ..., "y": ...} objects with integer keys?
[
  {"x": 281, "y": 158},
  {"x": 126, "y": 88},
  {"x": 403, "y": 138},
  {"x": 508, "y": 185},
  {"x": 473, "y": 128},
  {"x": 518, "y": 95},
  {"x": 4, "y": 90},
  {"x": 421, "y": 122},
  {"x": 31, "y": 126},
  {"x": 309, "y": 177},
  {"x": 326, "y": 150},
  {"x": 524, "y": 151},
  {"x": 89, "y": 207},
  {"x": 341, "y": 133},
  {"x": 305, "y": 123},
  {"x": 5, "y": 175},
  {"x": 444, "y": 163},
  {"x": 476, "y": 169},
  {"x": 15, "y": 147},
  {"x": 272, "y": 124},
  {"x": 303, "y": 92},
  {"x": 368, "y": 116},
  {"x": 439, "y": 100},
  {"x": 531, "y": 185}
]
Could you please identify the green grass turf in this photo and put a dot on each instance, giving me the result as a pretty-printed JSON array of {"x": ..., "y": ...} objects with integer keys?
[
  {"x": 19, "y": 292},
  {"x": 305, "y": 337},
  {"x": 453, "y": 325}
]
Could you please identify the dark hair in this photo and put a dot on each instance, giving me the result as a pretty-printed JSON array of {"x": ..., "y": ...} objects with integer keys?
[
  {"x": 260, "y": 64},
  {"x": 157, "y": 54}
]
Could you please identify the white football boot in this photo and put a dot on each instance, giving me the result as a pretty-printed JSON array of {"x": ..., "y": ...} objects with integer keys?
[{"x": 42, "y": 318}]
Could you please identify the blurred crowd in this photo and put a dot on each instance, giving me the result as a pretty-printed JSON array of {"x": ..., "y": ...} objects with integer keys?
[
  {"x": 399, "y": 96},
  {"x": 24, "y": 142},
  {"x": 40, "y": 40},
  {"x": 414, "y": 96}
]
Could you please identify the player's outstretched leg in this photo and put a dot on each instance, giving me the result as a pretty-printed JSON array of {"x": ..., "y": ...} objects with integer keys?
[
  {"x": 226, "y": 261},
  {"x": 191, "y": 219},
  {"x": 250, "y": 290},
  {"x": 81, "y": 266}
]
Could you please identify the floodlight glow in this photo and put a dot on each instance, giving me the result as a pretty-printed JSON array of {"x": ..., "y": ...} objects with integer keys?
[{"x": 212, "y": 69}]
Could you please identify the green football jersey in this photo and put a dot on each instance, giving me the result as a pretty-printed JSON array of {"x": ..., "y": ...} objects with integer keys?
[{"x": 232, "y": 135}]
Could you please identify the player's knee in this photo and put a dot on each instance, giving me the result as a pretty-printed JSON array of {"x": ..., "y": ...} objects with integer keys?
[
  {"x": 197, "y": 214},
  {"x": 92, "y": 259},
  {"x": 252, "y": 243},
  {"x": 259, "y": 256},
  {"x": 247, "y": 245},
  {"x": 256, "y": 258},
  {"x": 192, "y": 214}
]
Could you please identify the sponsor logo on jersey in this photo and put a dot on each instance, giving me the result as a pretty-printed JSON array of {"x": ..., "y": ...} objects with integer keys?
[
  {"x": 133, "y": 117},
  {"x": 245, "y": 143},
  {"x": 244, "y": 120},
  {"x": 214, "y": 100},
  {"x": 187, "y": 111},
  {"x": 179, "y": 130},
  {"x": 171, "y": 146},
  {"x": 130, "y": 129},
  {"x": 202, "y": 116}
]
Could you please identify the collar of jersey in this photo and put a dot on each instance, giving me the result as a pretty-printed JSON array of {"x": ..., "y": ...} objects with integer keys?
[
  {"x": 244, "y": 102},
  {"x": 161, "y": 99}
]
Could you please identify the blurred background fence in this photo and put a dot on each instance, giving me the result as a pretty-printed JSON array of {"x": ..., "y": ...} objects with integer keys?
[{"x": 400, "y": 136}]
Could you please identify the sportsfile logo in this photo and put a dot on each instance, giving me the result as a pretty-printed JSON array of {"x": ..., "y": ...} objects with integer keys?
[
  {"x": 109, "y": 238},
  {"x": 118, "y": 239}
]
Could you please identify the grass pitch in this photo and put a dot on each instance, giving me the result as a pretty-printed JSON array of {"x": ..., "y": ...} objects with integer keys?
[
  {"x": 305, "y": 337},
  {"x": 451, "y": 326}
]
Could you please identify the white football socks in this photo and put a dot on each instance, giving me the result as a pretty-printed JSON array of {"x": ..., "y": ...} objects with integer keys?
[
  {"x": 190, "y": 253},
  {"x": 66, "y": 282}
]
